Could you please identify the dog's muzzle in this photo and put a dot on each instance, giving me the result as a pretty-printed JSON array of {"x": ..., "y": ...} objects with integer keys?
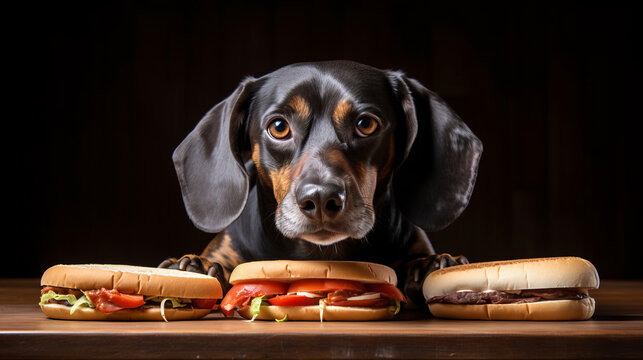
[{"x": 323, "y": 212}]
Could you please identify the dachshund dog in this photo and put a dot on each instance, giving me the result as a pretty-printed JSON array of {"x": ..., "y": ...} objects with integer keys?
[{"x": 327, "y": 161}]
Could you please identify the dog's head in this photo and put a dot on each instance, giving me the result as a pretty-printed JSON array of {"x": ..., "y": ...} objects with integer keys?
[{"x": 329, "y": 140}]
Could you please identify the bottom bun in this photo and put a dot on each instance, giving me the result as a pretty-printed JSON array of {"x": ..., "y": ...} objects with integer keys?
[
  {"x": 311, "y": 313},
  {"x": 543, "y": 310},
  {"x": 57, "y": 311}
]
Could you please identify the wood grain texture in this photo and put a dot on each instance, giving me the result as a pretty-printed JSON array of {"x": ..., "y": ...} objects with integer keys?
[{"x": 615, "y": 332}]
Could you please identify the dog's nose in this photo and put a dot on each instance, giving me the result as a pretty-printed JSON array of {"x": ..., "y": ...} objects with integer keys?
[{"x": 320, "y": 201}]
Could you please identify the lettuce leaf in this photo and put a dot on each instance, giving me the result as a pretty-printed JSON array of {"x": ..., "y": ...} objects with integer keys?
[
  {"x": 397, "y": 308},
  {"x": 84, "y": 300},
  {"x": 255, "y": 306},
  {"x": 44, "y": 298},
  {"x": 70, "y": 298}
]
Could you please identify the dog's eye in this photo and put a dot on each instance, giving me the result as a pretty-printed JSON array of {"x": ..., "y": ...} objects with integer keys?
[
  {"x": 279, "y": 128},
  {"x": 366, "y": 126}
]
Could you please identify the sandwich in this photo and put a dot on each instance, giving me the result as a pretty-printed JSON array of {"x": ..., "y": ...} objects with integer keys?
[
  {"x": 313, "y": 290},
  {"x": 124, "y": 292},
  {"x": 526, "y": 289}
]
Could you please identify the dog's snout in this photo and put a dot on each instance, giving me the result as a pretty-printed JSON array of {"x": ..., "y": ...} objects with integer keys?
[{"x": 320, "y": 201}]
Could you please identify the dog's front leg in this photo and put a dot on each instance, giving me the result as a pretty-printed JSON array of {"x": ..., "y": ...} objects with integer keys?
[
  {"x": 421, "y": 262},
  {"x": 418, "y": 269}
]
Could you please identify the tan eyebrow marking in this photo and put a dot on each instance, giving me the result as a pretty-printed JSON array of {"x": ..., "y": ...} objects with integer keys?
[
  {"x": 341, "y": 110},
  {"x": 300, "y": 105}
]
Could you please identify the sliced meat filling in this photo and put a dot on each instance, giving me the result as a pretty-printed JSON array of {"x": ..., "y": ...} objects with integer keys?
[{"x": 501, "y": 297}]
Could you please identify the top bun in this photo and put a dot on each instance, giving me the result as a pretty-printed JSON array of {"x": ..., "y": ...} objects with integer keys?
[
  {"x": 134, "y": 280},
  {"x": 292, "y": 270},
  {"x": 521, "y": 274}
]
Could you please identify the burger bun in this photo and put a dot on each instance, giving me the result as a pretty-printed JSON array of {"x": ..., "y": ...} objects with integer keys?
[
  {"x": 58, "y": 311},
  {"x": 544, "y": 310},
  {"x": 311, "y": 313}
]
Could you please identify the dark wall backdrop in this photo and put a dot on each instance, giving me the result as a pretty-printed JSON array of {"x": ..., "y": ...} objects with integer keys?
[{"x": 102, "y": 92}]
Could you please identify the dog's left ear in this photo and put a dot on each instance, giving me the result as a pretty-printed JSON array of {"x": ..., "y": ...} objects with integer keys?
[{"x": 437, "y": 170}]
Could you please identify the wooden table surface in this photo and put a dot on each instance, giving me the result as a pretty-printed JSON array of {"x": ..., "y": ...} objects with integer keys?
[{"x": 616, "y": 331}]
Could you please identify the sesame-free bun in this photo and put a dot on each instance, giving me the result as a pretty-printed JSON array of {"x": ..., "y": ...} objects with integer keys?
[
  {"x": 292, "y": 270},
  {"x": 543, "y": 310},
  {"x": 311, "y": 313},
  {"x": 138, "y": 280},
  {"x": 57, "y": 311},
  {"x": 522, "y": 274}
]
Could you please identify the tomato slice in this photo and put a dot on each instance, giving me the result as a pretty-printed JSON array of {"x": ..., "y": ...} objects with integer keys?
[
  {"x": 204, "y": 303},
  {"x": 124, "y": 300},
  {"x": 99, "y": 298},
  {"x": 112, "y": 300},
  {"x": 325, "y": 285},
  {"x": 387, "y": 290},
  {"x": 363, "y": 303},
  {"x": 243, "y": 291},
  {"x": 293, "y": 300}
]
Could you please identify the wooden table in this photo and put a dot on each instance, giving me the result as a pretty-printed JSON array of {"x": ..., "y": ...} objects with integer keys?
[{"x": 616, "y": 331}]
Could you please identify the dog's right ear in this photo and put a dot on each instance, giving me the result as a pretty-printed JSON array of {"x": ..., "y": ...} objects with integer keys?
[{"x": 208, "y": 163}]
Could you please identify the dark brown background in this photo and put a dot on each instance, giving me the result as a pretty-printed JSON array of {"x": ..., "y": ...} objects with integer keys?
[{"x": 104, "y": 91}]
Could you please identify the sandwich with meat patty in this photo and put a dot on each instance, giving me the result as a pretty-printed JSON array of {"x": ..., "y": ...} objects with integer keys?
[
  {"x": 124, "y": 292},
  {"x": 526, "y": 289}
]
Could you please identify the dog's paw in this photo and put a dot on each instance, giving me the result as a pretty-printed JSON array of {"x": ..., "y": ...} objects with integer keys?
[
  {"x": 191, "y": 263},
  {"x": 441, "y": 261},
  {"x": 417, "y": 270},
  {"x": 199, "y": 265}
]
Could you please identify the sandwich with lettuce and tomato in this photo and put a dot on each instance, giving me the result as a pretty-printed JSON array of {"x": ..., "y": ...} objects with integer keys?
[
  {"x": 124, "y": 292},
  {"x": 313, "y": 290}
]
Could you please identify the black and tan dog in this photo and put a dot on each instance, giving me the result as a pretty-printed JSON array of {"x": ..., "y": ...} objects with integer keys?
[{"x": 330, "y": 160}]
